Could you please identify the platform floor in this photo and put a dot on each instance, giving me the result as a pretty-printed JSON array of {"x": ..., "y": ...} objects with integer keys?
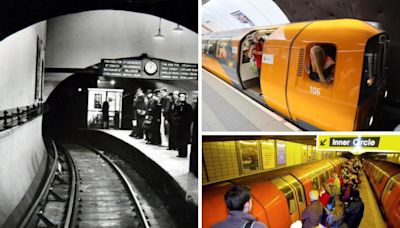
[
  {"x": 178, "y": 168},
  {"x": 372, "y": 215},
  {"x": 227, "y": 109}
]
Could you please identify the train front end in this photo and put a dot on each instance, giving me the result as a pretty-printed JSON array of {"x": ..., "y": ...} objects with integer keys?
[{"x": 373, "y": 81}]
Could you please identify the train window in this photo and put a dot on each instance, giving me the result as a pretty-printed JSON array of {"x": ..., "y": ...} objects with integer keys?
[
  {"x": 211, "y": 47},
  {"x": 289, "y": 194},
  {"x": 315, "y": 183},
  {"x": 296, "y": 184},
  {"x": 204, "y": 46},
  {"x": 300, "y": 193},
  {"x": 390, "y": 185},
  {"x": 224, "y": 51},
  {"x": 322, "y": 63},
  {"x": 322, "y": 178},
  {"x": 380, "y": 178}
]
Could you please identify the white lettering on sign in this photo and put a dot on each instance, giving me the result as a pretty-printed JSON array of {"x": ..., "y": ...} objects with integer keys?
[
  {"x": 315, "y": 90},
  {"x": 268, "y": 58},
  {"x": 351, "y": 142}
]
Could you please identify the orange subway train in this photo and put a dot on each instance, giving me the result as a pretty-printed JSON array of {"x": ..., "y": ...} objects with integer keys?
[
  {"x": 279, "y": 197},
  {"x": 286, "y": 82},
  {"x": 384, "y": 178}
]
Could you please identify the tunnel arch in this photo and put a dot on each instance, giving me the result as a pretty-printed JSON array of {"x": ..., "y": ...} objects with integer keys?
[{"x": 17, "y": 15}]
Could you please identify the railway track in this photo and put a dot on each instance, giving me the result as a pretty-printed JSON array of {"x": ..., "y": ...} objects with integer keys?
[{"x": 86, "y": 190}]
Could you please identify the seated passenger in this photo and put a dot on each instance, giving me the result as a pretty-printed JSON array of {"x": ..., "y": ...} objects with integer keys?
[
  {"x": 322, "y": 66},
  {"x": 239, "y": 202}
]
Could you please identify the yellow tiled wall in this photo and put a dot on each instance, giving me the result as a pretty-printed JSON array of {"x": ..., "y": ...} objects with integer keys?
[{"x": 222, "y": 160}]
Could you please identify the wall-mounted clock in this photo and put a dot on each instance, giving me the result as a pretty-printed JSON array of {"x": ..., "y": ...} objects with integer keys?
[{"x": 150, "y": 67}]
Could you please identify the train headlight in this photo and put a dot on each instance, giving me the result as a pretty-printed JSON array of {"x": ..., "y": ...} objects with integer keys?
[
  {"x": 386, "y": 93},
  {"x": 371, "y": 120}
]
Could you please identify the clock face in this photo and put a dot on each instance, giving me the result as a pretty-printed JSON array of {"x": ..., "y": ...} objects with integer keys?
[{"x": 150, "y": 67}]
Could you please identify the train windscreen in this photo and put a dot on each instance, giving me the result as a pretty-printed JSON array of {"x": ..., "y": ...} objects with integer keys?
[{"x": 375, "y": 65}]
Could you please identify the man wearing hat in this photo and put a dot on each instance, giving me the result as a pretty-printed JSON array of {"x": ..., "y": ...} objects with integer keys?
[
  {"x": 311, "y": 216},
  {"x": 155, "y": 118}
]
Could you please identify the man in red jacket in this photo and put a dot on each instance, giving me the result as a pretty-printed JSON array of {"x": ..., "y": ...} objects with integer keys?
[{"x": 256, "y": 50}]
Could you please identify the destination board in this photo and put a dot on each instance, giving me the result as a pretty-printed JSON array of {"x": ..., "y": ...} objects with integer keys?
[{"x": 148, "y": 68}]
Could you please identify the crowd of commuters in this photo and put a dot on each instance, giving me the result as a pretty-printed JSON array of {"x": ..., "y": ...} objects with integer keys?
[
  {"x": 338, "y": 203},
  {"x": 159, "y": 115}
]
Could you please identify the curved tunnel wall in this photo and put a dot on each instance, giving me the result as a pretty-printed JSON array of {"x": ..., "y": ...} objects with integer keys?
[
  {"x": 22, "y": 151},
  {"x": 384, "y": 12}
]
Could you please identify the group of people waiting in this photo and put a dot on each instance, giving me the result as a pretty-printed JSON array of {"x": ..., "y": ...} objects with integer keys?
[
  {"x": 338, "y": 203},
  {"x": 159, "y": 113}
]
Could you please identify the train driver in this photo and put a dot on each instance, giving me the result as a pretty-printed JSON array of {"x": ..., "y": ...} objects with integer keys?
[
  {"x": 322, "y": 66},
  {"x": 239, "y": 202}
]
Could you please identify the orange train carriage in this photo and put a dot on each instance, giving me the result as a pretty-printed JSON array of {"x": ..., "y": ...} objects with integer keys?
[
  {"x": 359, "y": 50},
  {"x": 384, "y": 178},
  {"x": 279, "y": 197}
]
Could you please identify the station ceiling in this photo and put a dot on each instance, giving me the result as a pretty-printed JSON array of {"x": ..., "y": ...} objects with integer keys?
[
  {"x": 16, "y": 15},
  {"x": 222, "y": 15}
]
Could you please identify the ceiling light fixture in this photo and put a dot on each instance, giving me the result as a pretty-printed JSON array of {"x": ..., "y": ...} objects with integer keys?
[
  {"x": 159, "y": 36},
  {"x": 178, "y": 28}
]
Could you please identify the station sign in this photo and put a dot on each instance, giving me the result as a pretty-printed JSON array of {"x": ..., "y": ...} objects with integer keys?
[
  {"x": 359, "y": 142},
  {"x": 148, "y": 68}
]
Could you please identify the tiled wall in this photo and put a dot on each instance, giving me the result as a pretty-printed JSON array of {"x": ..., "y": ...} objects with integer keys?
[
  {"x": 221, "y": 160},
  {"x": 226, "y": 160}
]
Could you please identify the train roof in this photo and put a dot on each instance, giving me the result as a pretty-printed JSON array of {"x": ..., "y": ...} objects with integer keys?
[{"x": 238, "y": 34}]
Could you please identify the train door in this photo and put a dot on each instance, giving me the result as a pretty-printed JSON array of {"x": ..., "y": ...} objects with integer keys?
[
  {"x": 310, "y": 87},
  {"x": 291, "y": 197},
  {"x": 301, "y": 201},
  {"x": 249, "y": 71}
]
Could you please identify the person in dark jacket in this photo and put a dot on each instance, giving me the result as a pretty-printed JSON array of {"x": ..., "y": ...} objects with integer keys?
[
  {"x": 148, "y": 117},
  {"x": 104, "y": 109},
  {"x": 355, "y": 211},
  {"x": 165, "y": 101},
  {"x": 311, "y": 216},
  {"x": 134, "y": 117},
  {"x": 182, "y": 126},
  {"x": 155, "y": 118},
  {"x": 239, "y": 202},
  {"x": 171, "y": 118},
  {"x": 193, "y": 166},
  {"x": 140, "y": 113}
]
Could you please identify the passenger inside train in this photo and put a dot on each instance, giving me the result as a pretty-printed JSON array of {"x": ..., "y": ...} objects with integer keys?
[
  {"x": 251, "y": 59},
  {"x": 339, "y": 199},
  {"x": 322, "y": 64}
]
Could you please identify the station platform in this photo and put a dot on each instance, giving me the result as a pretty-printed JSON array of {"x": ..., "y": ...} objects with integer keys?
[
  {"x": 227, "y": 109},
  {"x": 177, "y": 168},
  {"x": 372, "y": 215}
]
